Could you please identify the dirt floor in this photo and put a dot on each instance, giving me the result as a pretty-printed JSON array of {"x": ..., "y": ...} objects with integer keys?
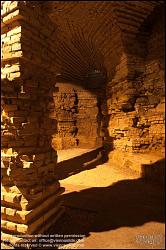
[{"x": 111, "y": 207}]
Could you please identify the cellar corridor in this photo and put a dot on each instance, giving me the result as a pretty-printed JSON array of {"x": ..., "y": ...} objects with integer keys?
[{"x": 82, "y": 124}]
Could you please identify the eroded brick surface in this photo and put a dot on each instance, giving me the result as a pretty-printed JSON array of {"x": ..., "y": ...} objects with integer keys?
[
  {"x": 41, "y": 113},
  {"x": 30, "y": 191}
]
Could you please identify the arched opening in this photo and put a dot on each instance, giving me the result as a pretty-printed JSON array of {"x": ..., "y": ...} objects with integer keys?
[{"x": 78, "y": 112}]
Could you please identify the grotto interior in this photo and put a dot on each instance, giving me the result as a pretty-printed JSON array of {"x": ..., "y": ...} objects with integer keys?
[{"x": 82, "y": 120}]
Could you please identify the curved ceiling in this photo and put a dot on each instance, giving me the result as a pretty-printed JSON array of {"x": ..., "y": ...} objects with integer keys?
[{"x": 90, "y": 34}]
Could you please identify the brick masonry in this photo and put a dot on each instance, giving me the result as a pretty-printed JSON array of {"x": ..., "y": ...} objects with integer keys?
[
  {"x": 30, "y": 199},
  {"x": 136, "y": 102},
  {"x": 77, "y": 114},
  {"x": 39, "y": 114}
]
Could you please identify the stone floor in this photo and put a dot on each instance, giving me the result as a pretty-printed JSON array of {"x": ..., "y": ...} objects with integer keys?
[
  {"x": 113, "y": 209},
  {"x": 66, "y": 154}
]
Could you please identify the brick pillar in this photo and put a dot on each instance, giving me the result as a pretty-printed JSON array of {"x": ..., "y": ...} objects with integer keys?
[
  {"x": 30, "y": 201},
  {"x": 88, "y": 122},
  {"x": 65, "y": 112}
]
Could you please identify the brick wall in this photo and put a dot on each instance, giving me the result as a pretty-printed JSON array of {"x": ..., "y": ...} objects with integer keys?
[
  {"x": 77, "y": 117},
  {"x": 29, "y": 185},
  {"x": 136, "y": 103}
]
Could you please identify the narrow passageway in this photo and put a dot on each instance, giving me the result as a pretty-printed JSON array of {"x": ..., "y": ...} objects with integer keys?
[{"x": 82, "y": 124}]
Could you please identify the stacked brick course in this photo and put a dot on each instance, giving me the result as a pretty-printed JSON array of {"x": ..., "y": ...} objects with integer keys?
[
  {"x": 34, "y": 50},
  {"x": 77, "y": 114},
  {"x": 136, "y": 102},
  {"x": 65, "y": 112},
  {"x": 30, "y": 201},
  {"x": 88, "y": 120}
]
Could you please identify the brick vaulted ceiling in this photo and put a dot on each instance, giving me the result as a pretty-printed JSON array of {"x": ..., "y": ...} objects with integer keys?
[{"x": 91, "y": 35}]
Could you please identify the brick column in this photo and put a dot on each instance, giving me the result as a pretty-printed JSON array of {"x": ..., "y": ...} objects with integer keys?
[
  {"x": 65, "y": 112},
  {"x": 88, "y": 122},
  {"x": 30, "y": 201}
]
